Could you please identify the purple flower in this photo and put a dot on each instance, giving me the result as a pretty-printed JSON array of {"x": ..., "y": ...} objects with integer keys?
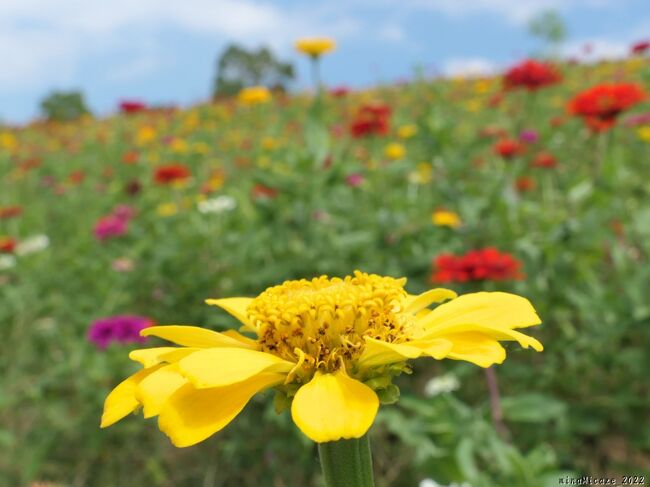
[
  {"x": 121, "y": 329},
  {"x": 528, "y": 136}
]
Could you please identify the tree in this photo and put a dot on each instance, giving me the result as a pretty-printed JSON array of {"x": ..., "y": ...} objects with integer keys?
[
  {"x": 238, "y": 68},
  {"x": 64, "y": 106},
  {"x": 549, "y": 27}
]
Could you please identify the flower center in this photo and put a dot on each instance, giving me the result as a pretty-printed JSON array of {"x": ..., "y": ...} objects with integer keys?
[{"x": 322, "y": 322}]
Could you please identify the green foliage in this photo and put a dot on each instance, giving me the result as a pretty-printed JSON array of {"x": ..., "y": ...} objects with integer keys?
[
  {"x": 549, "y": 27},
  {"x": 64, "y": 106},
  {"x": 238, "y": 68}
]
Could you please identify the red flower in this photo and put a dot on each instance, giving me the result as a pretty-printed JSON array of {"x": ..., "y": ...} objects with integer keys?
[
  {"x": 7, "y": 212},
  {"x": 259, "y": 191},
  {"x": 640, "y": 47},
  {"x": 339, "y": 91},
  {"x": 371, "y": 119},
  {"x": 130, "y": 157},
  {"x": 600, "y": 105},
  {"x": 508, "y": 148},
  {"x": 532, "y": 75},
  {"x": 491, "y": 131},
  {"x": 545, "y": 159},
  {"x": 77, "y": 177},
  {"x": 487, "y": 264},
  {"x": 132, "y": 106},
  {"x": 7, "y": 245},
  {"x": 524, "y": 184},
  {"x": 171, "y": 173}
]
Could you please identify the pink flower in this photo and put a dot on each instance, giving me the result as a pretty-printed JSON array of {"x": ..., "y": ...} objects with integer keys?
[
  {"x": 110, "y": 227},
  {"x": 354, "y": 180}
]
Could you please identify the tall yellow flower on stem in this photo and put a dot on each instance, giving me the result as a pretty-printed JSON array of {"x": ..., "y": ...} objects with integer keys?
[
  {"x": 329, "y": 347},
  {"x": 315, "y": 47}
]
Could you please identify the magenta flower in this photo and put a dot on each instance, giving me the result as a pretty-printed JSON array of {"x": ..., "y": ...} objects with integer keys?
[
  {"x": 114, "y": 225},
  {"x": 110, "y": 227},
  {"x": 120, "y": 329},
  {"x": 528, "y": 136}
]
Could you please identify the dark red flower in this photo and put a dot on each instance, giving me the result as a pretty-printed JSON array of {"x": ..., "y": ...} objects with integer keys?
[
  {"x": 7, "y": 245},
  {"x": 487, "y": 264},
  {"x": 7, "y": 212},
  {"x": 532, "y": 75},
  {"x": 600, "y": 105},
  {"x": 640, "y": 47},
  {"x": 545, "y": 159},
  {"x": 132, "y": 106},
  {"x": 171, "y": 173},
  {"x": 508, "y": 148},
  {"x": 133, "y": 187},
  {"x": 371, "y": 119}
]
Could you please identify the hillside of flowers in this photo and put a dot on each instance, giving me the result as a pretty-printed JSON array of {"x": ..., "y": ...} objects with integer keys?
[{"x": 535, "y": 181}]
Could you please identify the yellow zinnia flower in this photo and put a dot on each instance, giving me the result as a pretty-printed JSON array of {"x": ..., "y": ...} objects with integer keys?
[
  {"x": 145, "y": 135},
  {"x": 329, "y": 347},
  {"x": 444, "y": 218},
  {"x": 315, "y": 46},
  {"x": 407, "y": 131},
  {"x": 644, "y": 133},
  {"x": 254, "y": 95},
  {"x": 394, "y": 151}
]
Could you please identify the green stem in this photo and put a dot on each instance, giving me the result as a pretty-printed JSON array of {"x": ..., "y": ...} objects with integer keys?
[{"x": 347, "y": 463}]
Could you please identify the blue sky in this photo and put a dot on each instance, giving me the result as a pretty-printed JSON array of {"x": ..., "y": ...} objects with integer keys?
[{"x": 165, "y": 51}]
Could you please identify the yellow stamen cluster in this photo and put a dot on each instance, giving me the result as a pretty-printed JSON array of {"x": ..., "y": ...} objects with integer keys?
[{"x": 322, "y": 322}]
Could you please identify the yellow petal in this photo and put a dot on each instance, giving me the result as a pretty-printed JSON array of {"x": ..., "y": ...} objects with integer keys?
[
  {"x": 476, "y": 348},
  {"x": 377, "y": 352},
  {"x": 178, "y": 353},
  {"x": 235, "y": 306},
  {"x": 490, "y": 309},
  {"x": 216, "y": 367},
  {"x": 192, "y": 336},
  {"x": 191, "y": 415},
  {"x": 250, "y": 343},
  {"x": 334, "y": 406},
  {"x": 417, "y": 303},
  {"x": 155, "y": 389},
  {"x": 149, "y": 357},
  {"x": 495, "y": 333},
  {"x": 121, "y": 401}
]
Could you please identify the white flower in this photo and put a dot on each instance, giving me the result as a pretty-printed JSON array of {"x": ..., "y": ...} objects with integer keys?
[
  {"x": 440, "y": 385},
  {"x": 219, "y": 204},
  {"x": 32, "y": 244},
  {"x": 7, "y": 262}
]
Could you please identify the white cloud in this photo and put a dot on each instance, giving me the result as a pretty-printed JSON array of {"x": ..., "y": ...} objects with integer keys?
[
  {"x": 392, "y": 33},
  {"x": 514, "y": 11},
  {"x": 66, "y": 31},
  {"x": 469, "y": 67},
  {"x": 591, "y": 50}
]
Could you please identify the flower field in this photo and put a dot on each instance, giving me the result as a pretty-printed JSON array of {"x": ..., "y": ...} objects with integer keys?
[{"x": 536, "y": 183}]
